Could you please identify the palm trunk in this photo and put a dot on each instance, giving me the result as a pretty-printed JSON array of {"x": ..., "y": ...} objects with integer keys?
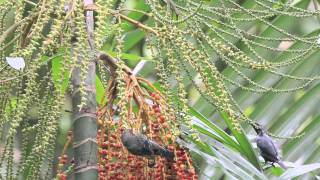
[{"x": 84, "y": 120}]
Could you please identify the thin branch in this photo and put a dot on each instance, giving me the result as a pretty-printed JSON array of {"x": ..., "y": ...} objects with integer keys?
[
  {"x": 315, "y": 4},
  {"x": 30, "y": 2},
  {"x": 112, "y": 63},
  {"x": 3, "y": 68},
  {"x": 92, "y": 7},
  {"x": 11, "y": 29},
  {"x": 136, "y": 10},
  {"x": 42, "y": 11},
  {"x": 138, "y": 24},
  {"x": 173, "y": 7},
  {"x": 10, "y": 42}
]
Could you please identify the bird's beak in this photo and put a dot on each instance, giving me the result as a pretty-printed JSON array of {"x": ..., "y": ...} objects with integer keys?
[{"x": 258, "y": 131}]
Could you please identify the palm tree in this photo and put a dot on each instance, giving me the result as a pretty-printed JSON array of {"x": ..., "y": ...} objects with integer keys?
[{"x": 193, "y": 75}]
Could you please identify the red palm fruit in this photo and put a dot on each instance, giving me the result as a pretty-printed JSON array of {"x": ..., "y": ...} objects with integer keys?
[
  {"x": 157, "y": 97},
  {"x": 104, "y": 144},
  {"x": 161, "y": 119},
  {"x": 103, "y": 152},
  {"x": 156, "y": 110}
]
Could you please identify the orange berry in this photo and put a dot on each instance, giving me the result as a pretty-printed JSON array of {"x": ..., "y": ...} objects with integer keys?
[
  {"x": 161, "y": 119},
  {"x": 104, "y": 152},
  {"x": 157, "y": 97},
  {"x": 156, "y": 109}
]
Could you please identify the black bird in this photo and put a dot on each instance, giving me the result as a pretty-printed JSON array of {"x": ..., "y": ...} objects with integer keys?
[
  {"x": 140, "y": 145},
  {"x": 267, "y": 148}
]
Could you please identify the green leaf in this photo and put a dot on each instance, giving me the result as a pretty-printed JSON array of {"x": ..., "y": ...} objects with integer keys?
[
  {"x": 131, "y": 57},
  {"x": 99, "y": 90},
  {"x": 311, "y": 98},
  {"x": 245, "y": 145},
  {"x": 277, "y": 171},
  {"x": 300, "y": 170},
  {"x": 208, "y": 133},
  {"x": 132, "y": 39},
  {"x": 300, "y": 143},
  {"x": 224, "y": 161},
  {"x": 223, "y": 136},
  {"x": 240, "y": 161},
  {"x": 57, "y": 67},
  {"x": 140, "y": 5}
]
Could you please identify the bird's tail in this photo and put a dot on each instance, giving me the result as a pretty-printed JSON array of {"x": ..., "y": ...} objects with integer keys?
[
  {"x": 167, "y": 154},
  {"x": 281, "y": 164}
]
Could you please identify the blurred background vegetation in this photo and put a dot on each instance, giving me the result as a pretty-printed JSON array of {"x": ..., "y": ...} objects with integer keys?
[{"x": 227, "y": 154}]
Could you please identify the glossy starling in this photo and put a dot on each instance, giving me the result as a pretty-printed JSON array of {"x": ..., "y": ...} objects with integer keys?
[
  {"x": 267, "y": 147},
  {"x": 140, "y": 145}
]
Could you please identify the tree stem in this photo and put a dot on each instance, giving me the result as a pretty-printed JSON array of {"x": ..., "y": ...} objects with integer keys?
[{"x": 84, "y": 120}]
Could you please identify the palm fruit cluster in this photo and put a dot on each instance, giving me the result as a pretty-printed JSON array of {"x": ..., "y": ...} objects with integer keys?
[{"x": 146, "y": 112}]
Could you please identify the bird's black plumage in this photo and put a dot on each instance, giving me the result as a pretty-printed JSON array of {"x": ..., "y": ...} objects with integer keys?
[
  {"x": 139, "y": 144},
  {"x": 267, "y": 148}
]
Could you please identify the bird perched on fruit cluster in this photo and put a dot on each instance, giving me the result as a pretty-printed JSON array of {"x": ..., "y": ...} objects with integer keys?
[
  {"x": 267, "y": 147},
  {"x": 140, "y": 145}
]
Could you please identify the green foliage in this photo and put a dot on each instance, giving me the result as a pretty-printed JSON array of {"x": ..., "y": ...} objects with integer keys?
[{"x": 214, "y": 60}]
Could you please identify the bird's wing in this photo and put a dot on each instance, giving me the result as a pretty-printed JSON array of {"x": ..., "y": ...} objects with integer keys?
[
  {"x": 145, "y": 144},
  {"x": 135, "y": 145},
  {"x": 273, "y": 146},
  {"x": 267, "y": 147},
  {"x": 156, "y": 148},
  {"x": 150, "y": 147}
]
